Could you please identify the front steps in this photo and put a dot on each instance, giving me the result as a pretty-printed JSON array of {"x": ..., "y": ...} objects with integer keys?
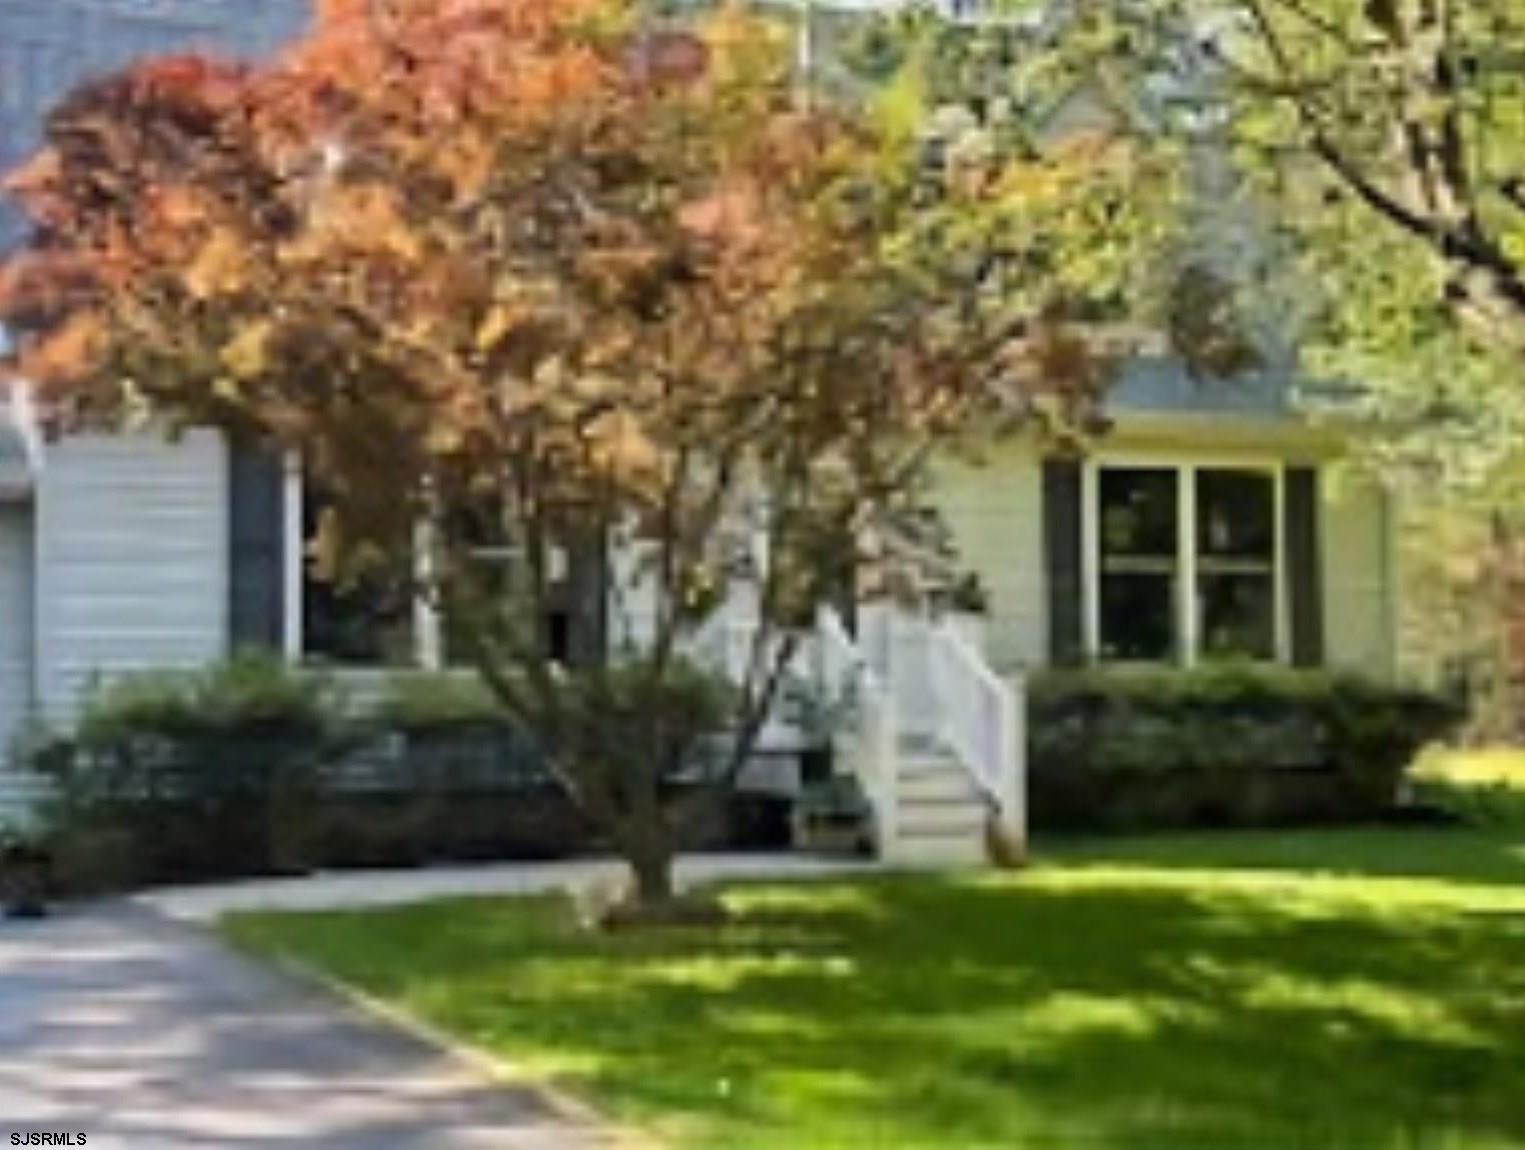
[{"x": 941, "y": 815}]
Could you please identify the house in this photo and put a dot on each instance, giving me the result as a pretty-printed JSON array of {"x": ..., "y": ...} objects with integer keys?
[
  {"x": 1214, "y": 521},
  {"x": 112, "y": 556}
]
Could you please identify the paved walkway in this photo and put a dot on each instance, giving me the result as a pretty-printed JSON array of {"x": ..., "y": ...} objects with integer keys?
[
  {"x": 142, "y": 1034},
  {"x": 124, "y": 1023},
  {"x": 340, "y": 889}
]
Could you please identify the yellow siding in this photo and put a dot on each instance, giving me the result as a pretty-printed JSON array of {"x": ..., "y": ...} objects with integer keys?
[
  {"x": 995, "y": 513},
  {"x": 1358, "y": 574}
]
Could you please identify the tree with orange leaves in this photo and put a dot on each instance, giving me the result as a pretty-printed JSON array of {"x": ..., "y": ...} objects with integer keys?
[{"x": 545, "y": 273}]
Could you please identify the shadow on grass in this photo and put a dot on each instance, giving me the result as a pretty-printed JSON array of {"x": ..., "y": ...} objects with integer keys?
[{"x": 1072, "y": 1007}]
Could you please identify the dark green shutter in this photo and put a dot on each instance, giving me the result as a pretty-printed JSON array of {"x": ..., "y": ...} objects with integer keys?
[
  {"x": 1305, "y": 584},
  {"x": 588, "y": 598},
  {"x": 1061, "y": 545},
  {"x": 256, "y": 552}
]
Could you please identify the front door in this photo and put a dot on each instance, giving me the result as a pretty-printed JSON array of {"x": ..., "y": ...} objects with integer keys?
[{"x": 15, "y": 623}]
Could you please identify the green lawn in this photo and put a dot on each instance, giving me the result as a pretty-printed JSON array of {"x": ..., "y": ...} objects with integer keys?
[
  {"x": 1484, "y": 786},
  {"x": 1349, "y": 990}
]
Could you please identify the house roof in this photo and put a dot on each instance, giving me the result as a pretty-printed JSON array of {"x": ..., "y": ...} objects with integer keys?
[{"x": 1163, "y": 384}]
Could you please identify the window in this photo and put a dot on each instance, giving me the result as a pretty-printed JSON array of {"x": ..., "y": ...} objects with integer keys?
[
  {"x": 1185, "y": 563},
  {"x": 1138, "y": 520},
  {"x": 370, "y": 619},
  {"x": 496, "y": 564},
  {"x": 493, "y": 564},
  {"x": 1236, "y": 564},
  {"x": 359, "y": 618}
]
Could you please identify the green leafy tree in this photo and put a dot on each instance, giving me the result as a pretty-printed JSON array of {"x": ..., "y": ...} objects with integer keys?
[
  {"x": 550, "y": 276},
  {"x": 1339, "y": 196}
]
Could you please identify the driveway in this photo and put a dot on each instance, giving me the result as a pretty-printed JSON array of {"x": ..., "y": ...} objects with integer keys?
[{"x": 137, "y": 1032}]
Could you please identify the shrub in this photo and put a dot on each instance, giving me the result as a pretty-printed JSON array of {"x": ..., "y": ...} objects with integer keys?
[
  {"x": 25, "y": 871},
  {"x": 191, "y": 774},
  {"x": 445, "y": 775},
  {"x": 252, "y": 767},
  {"x": 426, "y": 702},
  {"x": 1237, "y": 745}
]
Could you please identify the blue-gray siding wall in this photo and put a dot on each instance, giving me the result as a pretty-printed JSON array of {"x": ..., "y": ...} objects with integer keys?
[{"x": 48, "y": 47}]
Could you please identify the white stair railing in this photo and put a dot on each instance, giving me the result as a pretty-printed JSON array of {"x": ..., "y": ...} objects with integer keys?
[
  {"x": 898, "y": 646},
  {"x": 912, "y": 678},
  {"x": 870, "y": 743},
  {"x": 980, "y": 720}
]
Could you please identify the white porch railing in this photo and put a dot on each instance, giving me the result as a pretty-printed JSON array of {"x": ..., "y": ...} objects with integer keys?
[
  {"x": 947, "y": 695},
  {"x": 981, "y": 722},
  {"x": 899, "y": 648},
  {"x": 871, "y": 741},
  {"x": 910, "y": 681}
]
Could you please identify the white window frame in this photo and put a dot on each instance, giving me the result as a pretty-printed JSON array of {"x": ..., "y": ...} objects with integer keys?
[
  {"x": 428, "y": 646},
  {"x": 1188, "y": 610}
]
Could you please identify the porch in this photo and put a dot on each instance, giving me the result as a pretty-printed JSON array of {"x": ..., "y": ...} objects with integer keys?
[{"x": 931, "y": 732}]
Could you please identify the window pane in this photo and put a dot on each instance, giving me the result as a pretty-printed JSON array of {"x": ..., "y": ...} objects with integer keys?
[
  {"x": 493, "y": 578},
  {"x": 485, "y": 564},
  {"x": 1138, "y": 512},
  {"x": 1139, "y": 532},
  {"x": 1138, "y": 617},
  {"x": 1236, "y": 515},
  {"x": 362, "y": 619},
  {"x": 1238, "y": 613},
  {"x": 1236, "y": 552}
]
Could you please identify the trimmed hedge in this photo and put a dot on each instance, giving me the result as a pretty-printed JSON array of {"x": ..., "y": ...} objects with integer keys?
[
  {"x": 178, "y": 776},
  {"x": 1220, "y": 746},
  {"x": 249, "y": 768}
]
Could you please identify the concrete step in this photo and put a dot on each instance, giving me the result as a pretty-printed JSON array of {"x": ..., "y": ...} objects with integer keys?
[
  {"x": 937, "y": 787},
  {"x": 929, "y": 761},
  {"x": 935, "y": 851},
  {"x": 941, "y": 815},
  {"x": 941, "y": 819},
  {"x": 913, "y": 746}
]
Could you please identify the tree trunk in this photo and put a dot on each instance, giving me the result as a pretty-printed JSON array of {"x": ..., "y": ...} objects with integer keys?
[
  {"x": 648, "y": 850},
  {"x": 653, "y": 901},
  {"x": 652, "y": 869}
]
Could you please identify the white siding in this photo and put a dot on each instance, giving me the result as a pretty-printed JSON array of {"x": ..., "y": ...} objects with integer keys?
[
  {"x": 1356, "y": 541},
  {"x": 132, "y": 542},
  {"x": 995, "y": 513}
]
